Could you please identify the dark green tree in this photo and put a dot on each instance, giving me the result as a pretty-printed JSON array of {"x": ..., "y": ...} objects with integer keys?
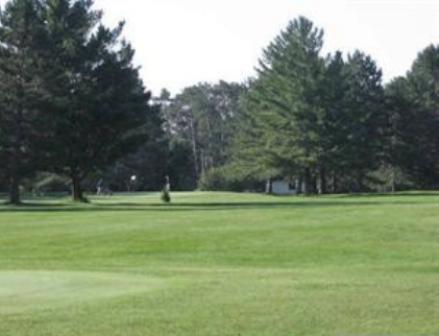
[
  {"x": 148, "y": 163},
  {"x": 286, "y": 104},
  {"x": 308, "y": 117},
  {"x": 21, "y": 30},
  {"x": 412, "y": 107},
  {"x": 98, "y": 109},
  {"x": 403, "y": 131},
  {"x": 332, "y": 128},
  {"x": 363, "y": 122},
  {"x": 180, "y": 165},
  {"x": 424, "y": 84}
]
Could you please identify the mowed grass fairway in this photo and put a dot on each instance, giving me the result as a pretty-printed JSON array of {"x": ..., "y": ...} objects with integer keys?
[{"x": 221, "y": 264}]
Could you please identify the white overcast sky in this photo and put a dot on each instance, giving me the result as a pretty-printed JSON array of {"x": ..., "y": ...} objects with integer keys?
[{"x": 183, "y": 42}]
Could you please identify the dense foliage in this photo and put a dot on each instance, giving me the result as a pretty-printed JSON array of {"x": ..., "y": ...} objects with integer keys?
[
  {"x": 71, "y": 98},
  {"x": 202, "y": 118},
  {"x": 329, "y": 124},
  {"x": 312, "y": 117}
]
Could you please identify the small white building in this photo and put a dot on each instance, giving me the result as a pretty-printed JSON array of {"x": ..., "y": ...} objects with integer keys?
[{"x": 283, "y": 188}]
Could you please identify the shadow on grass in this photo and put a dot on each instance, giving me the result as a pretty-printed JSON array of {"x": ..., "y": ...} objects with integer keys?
[
  {"x": 397, "y": 194},
  {"x": 294, "y": 203}
]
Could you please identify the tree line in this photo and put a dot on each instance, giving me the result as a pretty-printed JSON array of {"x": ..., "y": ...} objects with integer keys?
[
  {"x": 73, "y": 107},
  {"x": 325, "y": 123}
]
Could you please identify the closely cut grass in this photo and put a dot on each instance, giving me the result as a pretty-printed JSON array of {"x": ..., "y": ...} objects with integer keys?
[
  {"x": 24, "y": 292},
  {"x": 221, "y": 264}
]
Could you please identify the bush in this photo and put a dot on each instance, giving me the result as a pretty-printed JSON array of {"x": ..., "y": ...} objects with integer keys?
[{"x": 384, "y": 179}]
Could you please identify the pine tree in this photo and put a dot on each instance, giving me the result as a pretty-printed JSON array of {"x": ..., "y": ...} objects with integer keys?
[
  {"x": 21, "y": 30},
  {"x": 286, "y": 104},
  {"x": 363, "y": 122},
  {"x": 332, "y": 127},
  {"x": 309, "y": 117},
  {"x": 98, "y": 109},
  {"x": 413, "y": 107}
]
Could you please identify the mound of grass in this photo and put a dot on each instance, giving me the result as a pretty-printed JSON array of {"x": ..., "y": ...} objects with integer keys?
[{"x": 26, "y": 291}]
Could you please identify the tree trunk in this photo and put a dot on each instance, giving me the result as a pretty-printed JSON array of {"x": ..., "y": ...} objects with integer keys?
[
  {"x": 269, "y": 187},
  {"x": 299, "y": 185},
  {"x": 393, "y": 179},
  {"x": 334, "y": 184},
  {"x": 195, "y": 149},
  {"x": 77, "y": 191},
  {"x": 308, "y": 182},
  {"x": 14, "y": 191},
  {"x": 314, "y": 186}
]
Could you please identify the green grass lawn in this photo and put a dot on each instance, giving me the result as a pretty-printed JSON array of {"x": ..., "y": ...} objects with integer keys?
[{"x": 221, "y": 264}]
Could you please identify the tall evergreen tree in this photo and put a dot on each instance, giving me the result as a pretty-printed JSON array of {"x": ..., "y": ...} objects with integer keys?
[
  {"x": 413, "y": 108},
  {"x": 21, "y": 29},
  {"x": 286, "y": 102},
  {"x": 309, "y": 117},
  {"x": 148, "y": 163},
  {"x": 98, "y": 110},
  {"x": 364, "y": 121},
  {"x": 331, "y": 126},
  {"x": 404, "y": 128}
]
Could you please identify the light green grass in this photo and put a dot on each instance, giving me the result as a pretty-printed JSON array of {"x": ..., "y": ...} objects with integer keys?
[{"x": 221, "y": 264}]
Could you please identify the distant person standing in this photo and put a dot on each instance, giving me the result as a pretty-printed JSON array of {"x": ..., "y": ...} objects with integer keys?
[
  {"x": 99, "y": 187},
  {"x": 167, "y": 184},
  {"x": 166, "y": 192}
]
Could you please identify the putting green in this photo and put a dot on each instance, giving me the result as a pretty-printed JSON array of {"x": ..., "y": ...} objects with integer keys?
[{"x": 21, "y": 291}]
